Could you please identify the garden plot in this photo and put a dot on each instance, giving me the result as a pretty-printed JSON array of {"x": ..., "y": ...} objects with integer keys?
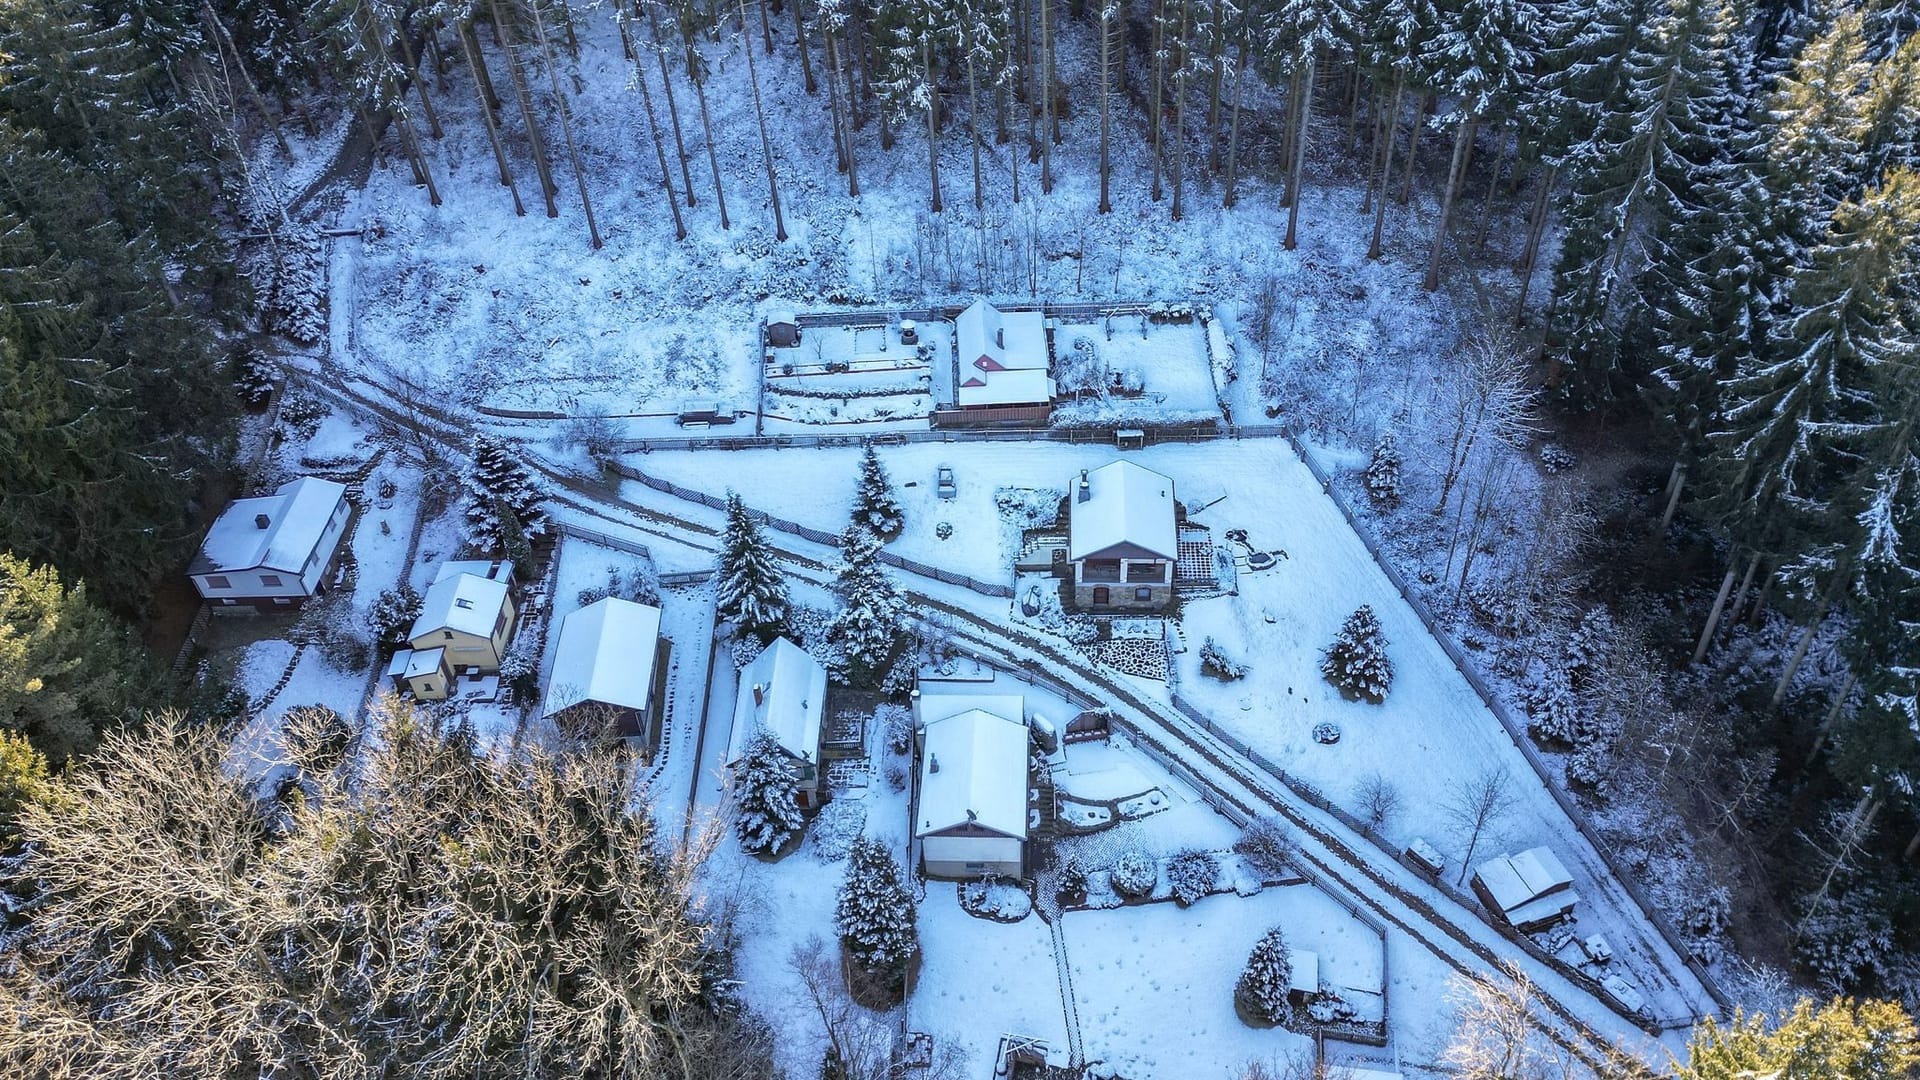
[
  {"x": 980, "y": 979},
  {"x": 1162, "y": 371}
]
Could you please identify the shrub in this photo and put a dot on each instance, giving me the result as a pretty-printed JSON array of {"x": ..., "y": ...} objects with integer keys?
[
  {"x": 1190, "y": 875},
  {"x": 1357, "y": 660},
  {"x": 1072, "y": 887},
  {"x": 301, "y": 413},
  {"x": 1267, "y": 844},
  {"x": 1215, "y": 662},
  {"x": 995, "y": 898},
  {"x": 1135, "y": 874},
  {"x": 393, "y": 613},
  {"x": 897, "y": 722},
  {"x": 836, "y": 828},
  {"x": 1383, "y": 472}
]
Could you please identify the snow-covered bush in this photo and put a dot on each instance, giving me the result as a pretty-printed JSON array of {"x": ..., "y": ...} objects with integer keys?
[
  {"x": 1191, "y": 874},
  {"x": 520, "y": 667},
  {"x": 1029, "y": 508},
  {"x": 1556, "y": 458},
  {"x": 1082, "y": 370},
  {"x": 897, "y": 722},
  {"x": 1135, "y": 873},
  {"x": 996, "y": 899},
  {"x": 1383, "y": 472},
  {"x": 875, "y": 915},
  {"x": 503, "y": 502},
  {"x": 1261, "y": 992},
  {"x": 874, "y": 505},
  {"x": 1215, "y": 662},
  {"x": 393, "y": 613},
  {"x": 836, "y": 827},
  {"x": 1847, "y": 943},
  {"x": 872, "y": 623},
  {"x": 290, "y": 281},
  {"x": 254, "y": 375},
  {"x": 1071, "y": 888},
  {"x": 1705, "y": 915},
  {"x": 1267, "y": 843},
  {"x": 1558, "y": 710},
  {"x": 752, "y": 593},
  {"x": 300, "y": 415},
  {"x": 1357, "y": 660},
  {"x": 766, "y": 813}
]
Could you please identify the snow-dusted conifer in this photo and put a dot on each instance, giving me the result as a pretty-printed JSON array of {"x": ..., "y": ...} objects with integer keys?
[
  {"x": 1214, "y": 661},
  {"x": 766, "y": 813},
  {"x": 393, "y": 613},
  {"x": 874, "y": 504},
  {"x": 503, "y": 499},
  {"x": 872, "y": 620},
  {"x": 752, "y": 593},
  {"x": 1357, "y": 661},
  {"x": 875, "y": 915},
  {"x": 1262, "y": 989},
  {"x": 1383, "y": 472}
]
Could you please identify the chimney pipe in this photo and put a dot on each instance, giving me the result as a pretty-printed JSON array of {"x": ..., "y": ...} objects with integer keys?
[
  {"x": 1000, "y": 336},
  {"x": 261, "y": 521},
  {"x": 1086, "y": 489},
  {"x": 933, "y": 763},
  {"x": 759, "y": 694}
]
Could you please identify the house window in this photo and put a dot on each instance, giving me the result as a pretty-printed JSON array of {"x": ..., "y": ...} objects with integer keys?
[
  {"x": 1100, "y": 570},
  {"x": 1143, "y": 595},
  {"x": 1101, "y": 595},
  {"x": 446, "y": 635},
  {"x": 1147, "y": 571},
  {"x": 463, "y": 604},
  {"x": 426, "y": 688},
  {"x": 281, "y": 601},
  {"x": 976, "y": 868},
  {"x": 271, "y": 581},
  {"x": 500, "y": 624},
  {"x": 217, "y": 582}
]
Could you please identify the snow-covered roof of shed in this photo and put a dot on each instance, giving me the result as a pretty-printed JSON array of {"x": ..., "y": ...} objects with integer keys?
[
  {"x": 1305, "y": 973},
  {"x": 981, "y": 774},
  {"x": 931, "y": 707},
  {"x": 463, "y": 602},
  {"x": 793, "y": 690},
  {"x": 1516, "y": 880},
  {"x": 1126, "y": 506},
  {"x": 297, "y": 517},
  {"x": 605, "y": 654}
]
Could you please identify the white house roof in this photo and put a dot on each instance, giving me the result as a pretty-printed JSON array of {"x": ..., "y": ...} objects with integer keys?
[
  {"x": 1002, "y": 357},
  {"x": 423, "y": 661},
  {"x": 931, "y": 707},
  {"x": 1127, "y": 507},
  {"x": 974, "y": 770},
  {"x": 1305, "y": 973},
  {"x": 462, "y": 602},
  {"x": 605, "y": 654},
  {"x": 1024, "y": 386},
  {"x": 494, "y": 570},
  {"x": 1515, "y": 880},
  {"x": 793, "y": 689},
  {"x": 297, "y": 517}
]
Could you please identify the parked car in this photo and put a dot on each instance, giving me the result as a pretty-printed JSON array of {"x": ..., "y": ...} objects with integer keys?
[{"x": 943, "y": 482}]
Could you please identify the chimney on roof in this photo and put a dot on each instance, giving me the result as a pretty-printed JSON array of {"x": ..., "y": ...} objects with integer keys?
[
  {"x": 933, "y": 763},
  {"x": 1000, "y": 337},
  {"x": 759, "y": 694},
  {"x": 1086, "y": 489},
  {"x": 261, "y": 521}
]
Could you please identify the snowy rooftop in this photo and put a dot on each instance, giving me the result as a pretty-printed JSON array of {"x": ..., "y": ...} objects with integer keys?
[
  {"x": 495, "y": 570},
  {"x": 605, "y": 654},
  {"x": 296, "y": 516},
  {"x": 420, "y": 661},
  {"x": 935, "y": 705},
  {"x": 1127, "y": 513},
  {"x": 793, "y": 687},
  {"x": 974, "y": 769},
  {"x": 1002, "y": 356},
  {"x": 463, "y": 602},
  {"x": 1515, "y": 880}
]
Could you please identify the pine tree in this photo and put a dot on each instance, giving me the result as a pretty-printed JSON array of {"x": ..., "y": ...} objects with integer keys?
[
  {"x": 1479, "y": 55},
  {"x": 875, "y": 914},
  {"x": 503, "y": 499},
  {"x": 393, "y": 613},
  {"x": 23, "y": 777},
  {"x": 766, "y": 814},
  {"x": 1383, "y": 472},
  {"x": 1357, "y": 660},
  {"x": 68, "y": 671},
  {"x": 875, "y": 507},
  {"x": 1842, "y": 1040},
  {"x": 752, "y": 594},
  {"x": 872, "y": 622},
  {"x": 1264, "y": 983}
]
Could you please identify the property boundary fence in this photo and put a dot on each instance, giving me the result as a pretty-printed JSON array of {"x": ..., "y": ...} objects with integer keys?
[
  {"x": 1185, "y": 433},
  {"x": 1515, "y": 731}
]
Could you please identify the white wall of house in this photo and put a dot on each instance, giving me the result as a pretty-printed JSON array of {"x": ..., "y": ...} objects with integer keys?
[
  {"x": 971, "y": 856},
  {"x": 257, "y": 584}
]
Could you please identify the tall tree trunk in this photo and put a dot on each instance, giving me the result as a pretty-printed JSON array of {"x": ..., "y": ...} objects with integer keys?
[
  {"x": 566, "y": 124},
  {"x": 419, "y": 84},
  {"x": 1456, "y": 174},
  {"x": 1106, "y": 90},
  {"x": 1713, "y": 617},
  {"x": 766, "y": 27},
  {"x": 1300, "y": 151},
  {"x": 973, "y": 118},
  {"x": 1413, "y": 146},
  {"x": 800, "y": 42},
  {"x": 1493, "y": 185},
  {"x": 518, "y": 77},
  {"x": 1386, "y": 172},
  {"x": 224, "y": 42},
  {"x": 1535, "y": 228},
  {"x": 933, "y": 109},
  {"x": 706, "y": 125},
  {"x": 1228, "y": 198},
  {"x": 477, "y": 63},
  {"x": 1159, "y": 72},
  {"x": 673, "y": 109},
  {"x": 464, "y": 32},
  {"x": 1216, "y": 78},
  {"x": 833, "y": 75},
  {"x": 1740, "y": 594},
  {"x": 1834, "y": 710},
  {"x": 1049, "y": 123},
  {"x": 1179, "y": 141},
  {"x": 659, "y": 144},
  {"x": 766, "y": 143}
]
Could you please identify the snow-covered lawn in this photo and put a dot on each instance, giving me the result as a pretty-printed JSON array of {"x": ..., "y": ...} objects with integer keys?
[
  {"x": 314, "y": 682},
  {"x": 981, "y": 979}
]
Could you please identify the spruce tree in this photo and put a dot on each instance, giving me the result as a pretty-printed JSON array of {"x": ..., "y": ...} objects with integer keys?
[
  {"x": 872, "y": 622},
  {"x": 766, "y": 813},
  {"x": 1383, "y": 472},
  {"x": 69, "y": 672},
  {"x": 503, "y": 499},
  {"x": 752, "y": 593},
  {"x": 875, "y": 507},
  {"x": 1264, "y": 983},
  {"x": 875, "y": 914},
  {"x": 1357, "y": 660}
]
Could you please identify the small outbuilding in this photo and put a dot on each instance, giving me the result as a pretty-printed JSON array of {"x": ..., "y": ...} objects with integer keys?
[
  {"x": 274, "y": 551},
  {"x": 783, "y": 328},
  {"x": 783, "y": 691},
  {"x": 1531, "y": 890},
  {"x": 970, "y": 812},
  {"x": 609, "y": 669}
]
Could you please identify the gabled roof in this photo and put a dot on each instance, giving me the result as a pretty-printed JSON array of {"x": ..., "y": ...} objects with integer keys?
[
  {"x": 463, "y": 602},
  {"x": 1020, "y": 386},
  {"x": 793, "y": 690},
  {"x": 492, "y": 570},
  {"x": 929, "y": 708},
  {"x": 974, "y": 769},
  {"x": 413, "y": 663},
  {"x": 297, "y": 517},
  {"x": 605, "y": 654},
  {"x": 1516, "y": 880},
  {"x": 1128, "y": 512},
  {"x": 1013, "y": 340}
]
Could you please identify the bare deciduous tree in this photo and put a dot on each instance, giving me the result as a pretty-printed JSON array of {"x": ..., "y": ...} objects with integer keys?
[
  {"x": 1377, "y": 799},
  {"x": 1477, "y": 805},
  {"x": 1485, "y": 397}
]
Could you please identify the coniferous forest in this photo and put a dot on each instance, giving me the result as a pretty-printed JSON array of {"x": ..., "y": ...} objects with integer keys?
[{"x": 1706, "y": 273}]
